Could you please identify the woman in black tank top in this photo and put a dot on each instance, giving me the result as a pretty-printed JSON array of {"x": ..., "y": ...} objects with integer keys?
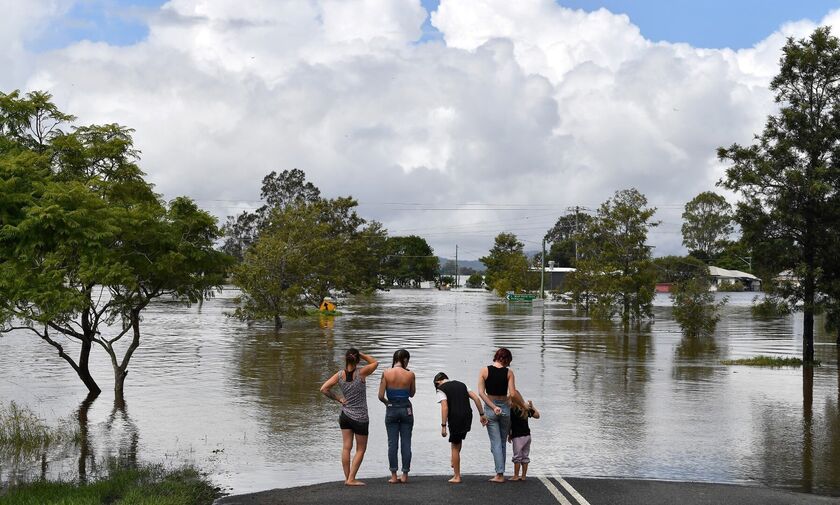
[{"x": 495, "y": 384}]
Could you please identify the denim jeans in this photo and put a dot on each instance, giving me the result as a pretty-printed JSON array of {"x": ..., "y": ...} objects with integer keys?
[
  {"x": 399, "y": 421},
  {"x": 498, "y": 428}
]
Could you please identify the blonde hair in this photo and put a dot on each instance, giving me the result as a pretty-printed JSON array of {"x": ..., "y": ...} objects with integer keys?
[{"x": 518, "y": 402}]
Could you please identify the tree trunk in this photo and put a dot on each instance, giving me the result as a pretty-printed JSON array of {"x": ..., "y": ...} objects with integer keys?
[
  {"x": 808, "y": 317},
  {"x": 119, "y": 383},
  {"x": 83, "y": 369},
  {"x": 808, "y": 428}
]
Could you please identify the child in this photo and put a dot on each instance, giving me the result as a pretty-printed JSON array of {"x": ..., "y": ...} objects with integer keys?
[
  {"x": 455, "y": 410},
  {"x": 520, "y": 433}
]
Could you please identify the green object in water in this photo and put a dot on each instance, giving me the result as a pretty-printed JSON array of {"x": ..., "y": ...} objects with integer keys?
[{"x": 523, "y": 297}]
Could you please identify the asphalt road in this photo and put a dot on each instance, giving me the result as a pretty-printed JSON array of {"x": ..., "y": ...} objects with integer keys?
[{"x": 547, "y": 490}]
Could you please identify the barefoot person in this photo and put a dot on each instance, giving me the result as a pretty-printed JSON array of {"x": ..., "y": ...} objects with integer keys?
[
  {"x": 495, "y": 383},
  {"x": 398, "y": 383},
  {"x": 455, "y": 410},
  {"x": 354, "y": 413},
  {"x": 520, "y": 433}
]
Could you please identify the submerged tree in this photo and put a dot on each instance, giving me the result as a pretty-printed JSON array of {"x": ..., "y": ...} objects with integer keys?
[
  {"x": 695, "y": 309},
  {"x": 788, "y": 179},
  {"x": 507, "y": 266},
  {"x": 615, "y": 275},
  {"x": 85, "y": 244},
  {"x": 307, "y": 251}
]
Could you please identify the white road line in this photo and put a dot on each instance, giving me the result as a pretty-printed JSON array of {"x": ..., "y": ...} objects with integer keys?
[
  {"x": 554, "y": 491},
  {"x": 572, "y": 491}
]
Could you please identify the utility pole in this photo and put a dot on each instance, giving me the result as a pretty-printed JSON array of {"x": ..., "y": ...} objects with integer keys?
[
  {"x": 456, "y": 265},
  {"x": 542, "y": 272},
  {"x": 576, "y": 234}
]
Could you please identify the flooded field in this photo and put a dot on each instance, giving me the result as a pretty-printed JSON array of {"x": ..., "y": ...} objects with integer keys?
[{"x": 243, "y": 404}]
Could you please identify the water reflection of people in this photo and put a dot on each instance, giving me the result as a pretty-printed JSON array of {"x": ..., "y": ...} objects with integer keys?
[
  {"x": 399, "y": 383},
  {"x": 495, "y": 383},
  {"x": 353, "y": 419}
]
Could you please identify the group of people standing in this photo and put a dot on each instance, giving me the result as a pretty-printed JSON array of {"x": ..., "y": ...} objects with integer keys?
[{"x": 501, "y": 408}]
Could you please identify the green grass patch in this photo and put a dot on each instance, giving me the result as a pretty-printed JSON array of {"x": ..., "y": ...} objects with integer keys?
[
  {"x": 22, "y": 431},
  {"x": 768, "y": 361},
  {"x": 148, "y": 485}
]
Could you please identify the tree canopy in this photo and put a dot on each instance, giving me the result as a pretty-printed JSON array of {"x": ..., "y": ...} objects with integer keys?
[
  {"x": 789, "y": 178},
  {"x": 409, "y": 261},
  {"x": 614, "y": 274},
  {"x": 85, "y": 243},
  {"x": 563, "y": 238},
  {"x": 507, "y": 266},
  {"x": 707, "y": 223},
  {"x": 305, "y": 251}
]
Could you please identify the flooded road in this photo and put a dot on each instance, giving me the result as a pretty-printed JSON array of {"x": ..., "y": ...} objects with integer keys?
[{"x": 243, "y": 404}]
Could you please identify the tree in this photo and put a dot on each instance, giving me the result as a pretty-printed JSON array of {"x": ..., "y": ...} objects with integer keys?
[
  {"x": 278, "y": 191},
  {"x": 307, "y": 251},
  {"x": 695, "y": 309},
  {"x": 788, "y": 179},
  {"x": 507, "y": 266},
  {"x": 410, "y": 261},
  {"x": 85, "y": 244},
  {"x": 614, "y": 274},
  {"x": 475, "y": 281},
  {"x": 707, "y": 223},
  {"x": 675, "y": 269},
  {"x": 562, "y": 237}
]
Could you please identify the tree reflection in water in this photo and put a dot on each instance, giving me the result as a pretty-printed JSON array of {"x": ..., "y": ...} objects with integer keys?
[{"x": 85, "y": 455}]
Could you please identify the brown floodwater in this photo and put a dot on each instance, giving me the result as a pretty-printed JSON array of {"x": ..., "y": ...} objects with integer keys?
[{"x": 242, "y": 403}]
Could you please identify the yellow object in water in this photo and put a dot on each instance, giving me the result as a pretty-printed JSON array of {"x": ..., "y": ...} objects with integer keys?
[{"x": 327, "y": 305}]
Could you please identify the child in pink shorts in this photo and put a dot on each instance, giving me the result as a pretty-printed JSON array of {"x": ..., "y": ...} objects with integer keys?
[{"x": 520, "y": 433}]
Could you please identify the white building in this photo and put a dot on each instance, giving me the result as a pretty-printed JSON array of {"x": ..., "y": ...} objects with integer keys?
[{"x": 720, "y": 275}]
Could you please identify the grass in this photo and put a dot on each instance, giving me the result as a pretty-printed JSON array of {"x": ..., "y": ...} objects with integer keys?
[
  {"x": 769, "y": 361},
  {"x": 148, "y": 485},
  {"x": 22, "y": 431}
]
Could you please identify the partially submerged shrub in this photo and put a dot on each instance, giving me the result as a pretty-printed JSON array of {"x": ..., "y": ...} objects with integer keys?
[
  {"x": 730, "y": 287},
  {"x": 771, "y": 306},
  {"x": 695, "y": 309},
  {"x": 21, "y": 430}
]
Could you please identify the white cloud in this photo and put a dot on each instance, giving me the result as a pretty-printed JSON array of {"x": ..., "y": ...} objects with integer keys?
[{"x": 526, "y": 105}]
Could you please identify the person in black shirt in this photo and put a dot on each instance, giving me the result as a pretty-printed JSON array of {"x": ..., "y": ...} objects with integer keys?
[
  {"x": 455, "y": 410},
  {"x": 520, "y": 433}
]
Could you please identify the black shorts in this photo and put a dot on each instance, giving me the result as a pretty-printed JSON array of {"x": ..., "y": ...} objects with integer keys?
[
  {"x": 456, "y": 437},
  {"x": 358, "y": 427}
]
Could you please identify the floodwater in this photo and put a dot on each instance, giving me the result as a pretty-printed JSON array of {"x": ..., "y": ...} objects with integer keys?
[{"x": 242, "y": 403}]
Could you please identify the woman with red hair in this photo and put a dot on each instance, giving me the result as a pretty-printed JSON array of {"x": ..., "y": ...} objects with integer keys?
[{"x": 496, "y": 383}]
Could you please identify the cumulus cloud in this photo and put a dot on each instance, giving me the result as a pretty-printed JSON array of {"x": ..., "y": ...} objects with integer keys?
[{"x": 524, "y": 108}]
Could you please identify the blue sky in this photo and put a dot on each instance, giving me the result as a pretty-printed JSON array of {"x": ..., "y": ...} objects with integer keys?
[{"x": 707, "y": 23}]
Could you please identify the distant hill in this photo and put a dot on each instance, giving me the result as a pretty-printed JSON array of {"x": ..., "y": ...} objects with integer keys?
[{"x": 474, "y": 264}]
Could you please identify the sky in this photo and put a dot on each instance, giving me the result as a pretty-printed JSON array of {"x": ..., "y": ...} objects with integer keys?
[{"x": 450, "y": 119}]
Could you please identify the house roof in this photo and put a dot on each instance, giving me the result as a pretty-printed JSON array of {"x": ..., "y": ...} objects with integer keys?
[{"x": 734, "y": 274}]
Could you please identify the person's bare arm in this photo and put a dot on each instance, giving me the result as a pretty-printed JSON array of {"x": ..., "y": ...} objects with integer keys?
[
  {"x": 483, "y": 393},
  {"x": 413, "y": 388},
  {"x": 536, "y": 414},
  {"x": 511, "y": 383},
  {"x": 326, "y": 388},
  {"x": 444, "y": 415},
  {"x": 371, "y": 364},
  {"x": 382, "y": 385},
  {"x": 474, "y": 397}
]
